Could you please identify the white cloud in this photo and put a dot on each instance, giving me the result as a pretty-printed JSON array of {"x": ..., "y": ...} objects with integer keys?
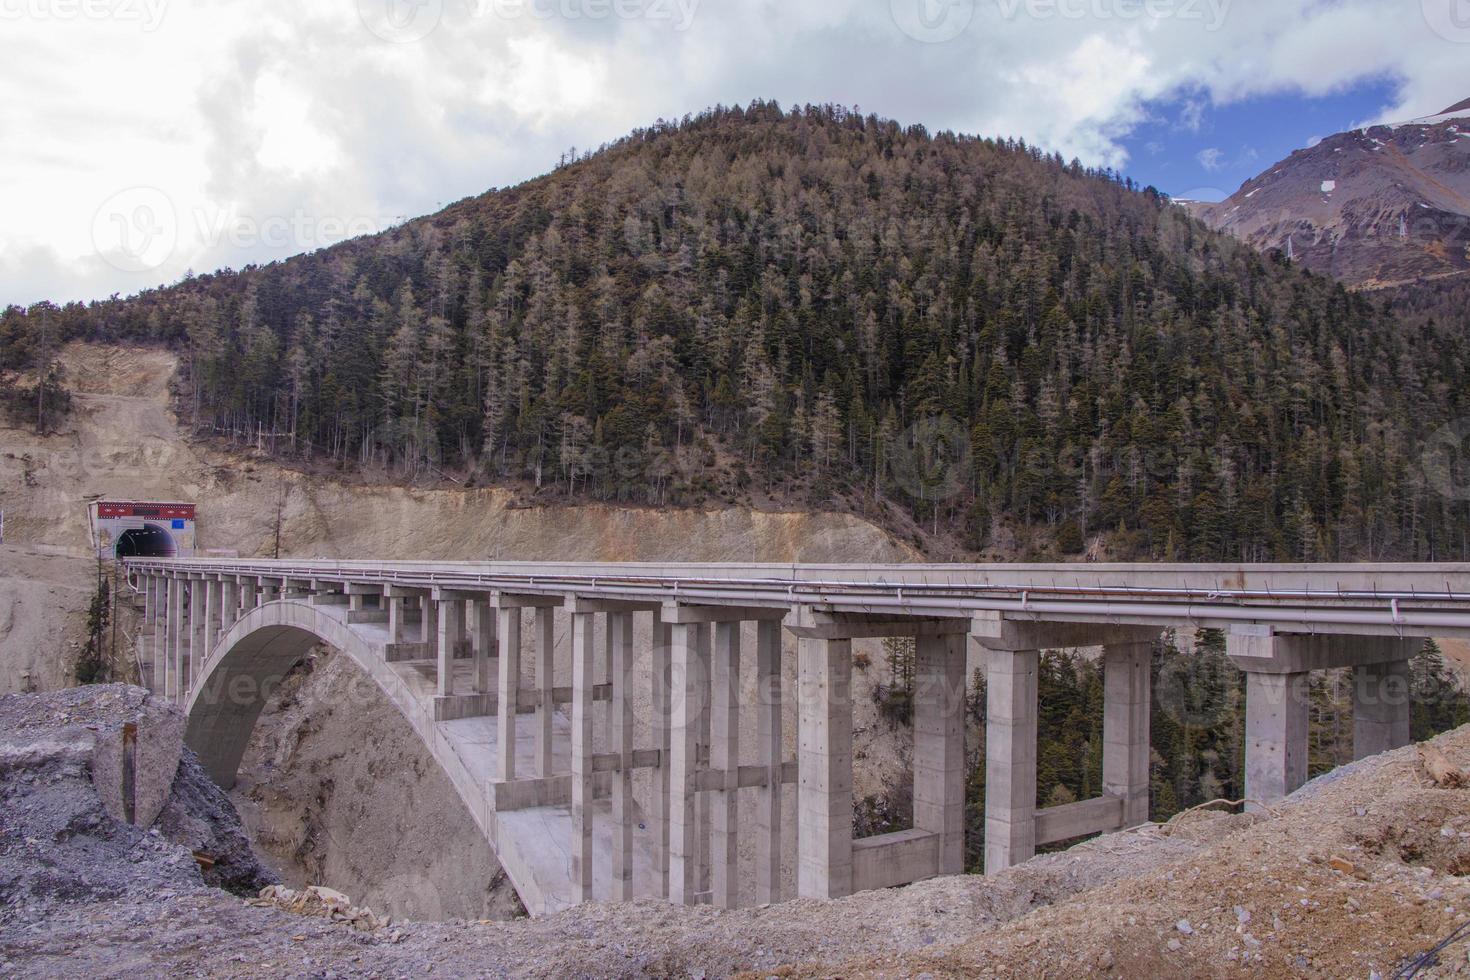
[
  {"x": 1211, "y": 158},
  {"x": 273, "y": 126}
]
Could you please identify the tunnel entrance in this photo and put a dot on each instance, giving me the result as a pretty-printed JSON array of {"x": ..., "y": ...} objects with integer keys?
[{"x": 148, "y": 541}]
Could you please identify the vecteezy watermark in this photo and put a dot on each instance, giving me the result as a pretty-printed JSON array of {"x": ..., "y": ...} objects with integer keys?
[
  {"x": 299, "y": 231},
  {"x": 937, "y": 21},
  {"x": 401, "y": 21},
  {"x": 148, "y": 14},
  {"x": 1210, "y": 13},
  {"x": 140, "y": 229},
  {"x": 136, "y": 230},
  {"x": 1450, "y": 19},
  {"x": 932, "y": 21},
  {"x": 1446, "y": 461},
  {"x": 931, "y": 459}
]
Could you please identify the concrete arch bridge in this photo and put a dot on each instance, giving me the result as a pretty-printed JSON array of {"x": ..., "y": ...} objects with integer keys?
[{"x": 647, "y": 754}]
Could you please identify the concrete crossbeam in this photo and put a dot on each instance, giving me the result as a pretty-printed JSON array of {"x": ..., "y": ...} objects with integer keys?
[{"x": 1100, "y": 815}]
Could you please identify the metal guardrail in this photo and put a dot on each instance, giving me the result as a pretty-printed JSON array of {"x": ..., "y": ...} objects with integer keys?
[{"x": 1418, "y": 598}]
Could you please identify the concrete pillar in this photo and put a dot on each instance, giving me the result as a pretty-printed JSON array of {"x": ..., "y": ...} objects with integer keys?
[
  {"x": 430, "y": 626},
  {"x": 769, "y": 751},
  {"x": 1126, "y": 748},
  {"x": 824, "y": 791},
  {"x": 583, "y": 660},
  {"x": 660, "y": 671},
  {"x": 1010, "y": 758},
  {"x": 1276, "y": 721},
  {"x": 197, "y": 642},
  {"x": 509, "y": 635},
  {"x": 482, "y": 633},
  {"x": 229, "y": 609},
  {"x": 449, "y": 619},
  {"x": 545, "y": 688},
  {"x": 939, "y": 745},
  {"x": 172, "y": 639},
  {"x": 1380, "y": 708},
  {"x": 620, "y": 627},
  {"x": 249, "y": 593},
  {"x": 212, "y": 616},
  {"x": 686, "y": 695},
  {"x": 725, "y": 760},
  {"x": 397, "y": 629},
  {"x": 704, "y": 880},
  {"x": 355, "y": 603}
]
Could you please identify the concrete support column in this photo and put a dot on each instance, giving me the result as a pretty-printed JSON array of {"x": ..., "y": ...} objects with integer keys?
[
  {"x": 824, "y": 792},
  {"x": 197, "y": 612},
  {"x": 397, "y": 629},
  {"x": 509, "y": 690},
  {"x": 939, "y": 745},
  {"x": 449, "y": 619},
  {"x": 172, "y": 640},
  {"x": 1276, "y": 721},
  {"x": 1380, "y": 708},
  {"x": 725, "y": 760},
  {"x": 583, "y": 660},
  {"x": 249, "y": 593},
  {"x": 430, "y": 616},
  {"x": 355, "y": 602},
  {"x": 620, "y": 628},
  {"x": 1126, "y": 685},
  {"x": 769, "y": 752},
  {"x": 545, "y": 688},
  {"x": 212, "y": 616},
  {"x": 1010, "y": 758},
  {"x": 482, "y": 633},
  {"x": 686, "y": 707},
  {"x": 660, "y": 671},
  {"x": 229, "y": 610}
]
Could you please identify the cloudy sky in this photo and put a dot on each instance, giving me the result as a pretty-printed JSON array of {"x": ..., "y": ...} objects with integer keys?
[{"x": 144, "y": 138}]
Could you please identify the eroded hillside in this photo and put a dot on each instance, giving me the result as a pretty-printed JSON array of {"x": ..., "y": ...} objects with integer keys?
[{"x": 308, "y": 790}]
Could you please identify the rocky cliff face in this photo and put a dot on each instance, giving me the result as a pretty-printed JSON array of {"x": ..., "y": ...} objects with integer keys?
[
  {"x": 1373, "y": 207},
  {"x": 100, "y": 800}
]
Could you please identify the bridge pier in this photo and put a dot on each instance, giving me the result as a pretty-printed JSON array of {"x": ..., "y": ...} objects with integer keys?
[
  {"x": 1014, "y": 824},
  {"x": 1380, "y": 707},
  {"x": 1278, "y": 668}
]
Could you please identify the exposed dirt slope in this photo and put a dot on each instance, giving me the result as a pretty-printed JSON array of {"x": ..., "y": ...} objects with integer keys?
[
  {"x": 1372, "y": 207},
  {"x": 383, "y": 825}
]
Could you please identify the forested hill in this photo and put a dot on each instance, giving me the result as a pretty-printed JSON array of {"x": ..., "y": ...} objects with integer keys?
[{"x": 829, "y": 309}]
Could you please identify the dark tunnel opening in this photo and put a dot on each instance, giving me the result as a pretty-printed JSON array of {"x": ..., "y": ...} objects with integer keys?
[{"x": 148, "y": 541}]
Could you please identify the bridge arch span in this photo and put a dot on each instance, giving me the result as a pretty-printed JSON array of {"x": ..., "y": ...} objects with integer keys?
[{"x": 255, "y": 654}]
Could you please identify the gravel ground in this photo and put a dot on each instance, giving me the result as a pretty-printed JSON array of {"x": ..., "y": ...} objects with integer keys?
[{"x": 1354, "y": 876}]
